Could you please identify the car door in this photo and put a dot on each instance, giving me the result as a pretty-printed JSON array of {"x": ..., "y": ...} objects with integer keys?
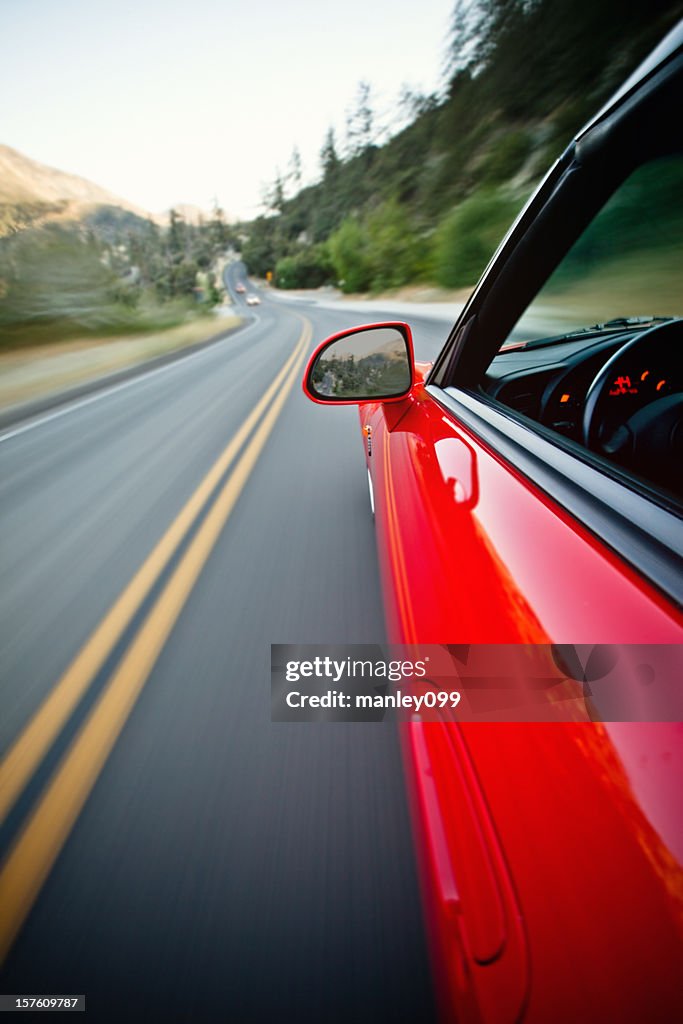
[{"x": 472, "y": 552}]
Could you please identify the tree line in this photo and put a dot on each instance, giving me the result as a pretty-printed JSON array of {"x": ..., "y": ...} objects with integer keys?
[{"x": 430, "y": 202}]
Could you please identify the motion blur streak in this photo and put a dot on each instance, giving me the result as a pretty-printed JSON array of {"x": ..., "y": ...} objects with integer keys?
[
  {"x": 34, "y": 853},
  {"x": 27, "y": 752}
]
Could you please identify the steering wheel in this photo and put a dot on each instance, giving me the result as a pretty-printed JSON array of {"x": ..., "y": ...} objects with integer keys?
[{"x": 650, "y": 440}]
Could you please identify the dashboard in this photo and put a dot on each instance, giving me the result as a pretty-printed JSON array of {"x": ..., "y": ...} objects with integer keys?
[{"x": 615, "y": 390}]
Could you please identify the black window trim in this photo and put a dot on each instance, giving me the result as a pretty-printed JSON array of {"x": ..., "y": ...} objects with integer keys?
[{"x": 640, "y": 531}]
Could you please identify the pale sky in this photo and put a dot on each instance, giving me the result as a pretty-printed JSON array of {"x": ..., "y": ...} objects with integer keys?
[{"x": 165, "y": 102}]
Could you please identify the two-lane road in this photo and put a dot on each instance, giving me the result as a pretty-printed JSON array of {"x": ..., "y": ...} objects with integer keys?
[{"x": 166, "y": 850}]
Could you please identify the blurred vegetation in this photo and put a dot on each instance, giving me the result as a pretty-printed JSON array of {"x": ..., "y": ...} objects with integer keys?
[
  {"x": 432, "y": 202},
  {"x": 111, "y": 273},
  {"x": 307, "y": 267},
  {"x": 627, "y": 263},
  {"x": 644, "y": 215},
  {"x": 467, "y": 237}
]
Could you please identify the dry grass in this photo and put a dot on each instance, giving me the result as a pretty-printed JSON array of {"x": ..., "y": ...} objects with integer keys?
[{"x": 37, "y": 371}]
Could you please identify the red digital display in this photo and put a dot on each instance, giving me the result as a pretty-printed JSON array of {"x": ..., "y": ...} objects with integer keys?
[{"x": 622, "y": 386}]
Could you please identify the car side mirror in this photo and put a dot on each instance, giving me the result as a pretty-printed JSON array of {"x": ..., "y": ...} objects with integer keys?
[{"x": 372, "y": 363}]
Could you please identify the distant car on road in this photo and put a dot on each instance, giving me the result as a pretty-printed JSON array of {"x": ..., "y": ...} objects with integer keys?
[
  {"x": 240, "y": 287},
  {"x": 253, "y": 300}
]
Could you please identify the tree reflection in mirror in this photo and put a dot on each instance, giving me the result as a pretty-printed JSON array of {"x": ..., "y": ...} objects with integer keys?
[{"x": 371, "y": 363}]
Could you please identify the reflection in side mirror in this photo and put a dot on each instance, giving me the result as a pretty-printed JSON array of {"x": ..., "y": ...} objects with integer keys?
[{"x": 364, "y": 364}]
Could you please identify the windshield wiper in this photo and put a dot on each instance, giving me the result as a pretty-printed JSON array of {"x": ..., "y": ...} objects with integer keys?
[
  {"x": 628, "y": 321},
  {"x": 618, "y": 323}
]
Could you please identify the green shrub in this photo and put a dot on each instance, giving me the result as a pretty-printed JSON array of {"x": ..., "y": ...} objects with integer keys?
[
  {"x": 465, "y": 241},
  {"x": 382, "y": 251},
  {"x": 309, "y": 268},
  {"x": 393, "y": 251},
  {"x": 348, "y": 249}
]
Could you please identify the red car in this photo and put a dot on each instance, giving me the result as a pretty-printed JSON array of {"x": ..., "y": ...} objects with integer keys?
[{"x": 527, "y": 490}]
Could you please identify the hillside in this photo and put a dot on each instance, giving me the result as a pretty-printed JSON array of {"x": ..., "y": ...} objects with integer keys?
[
  {"x": 32, "y": 192},
  {"x": 26, "y": 180},
  {"x": 432, "y": 202}
]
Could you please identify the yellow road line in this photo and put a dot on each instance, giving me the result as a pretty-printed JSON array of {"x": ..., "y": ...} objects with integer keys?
[
  {"x": 29, "y": 749},
  {"x": 36, "y": 849}
]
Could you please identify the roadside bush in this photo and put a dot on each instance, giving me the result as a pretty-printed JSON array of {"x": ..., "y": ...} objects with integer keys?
[
  {"x": 393, "y": 251},
  {"x": 348, "y": 248},
  {"x": 382, "y": 251},
  {"x": 309, "y": 268},
  {"x": 465, "y": 241}
]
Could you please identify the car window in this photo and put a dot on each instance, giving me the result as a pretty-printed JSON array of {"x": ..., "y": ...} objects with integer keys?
[
  {"x": 628, "y": 263},
  {"x": 595, "y": 357}
]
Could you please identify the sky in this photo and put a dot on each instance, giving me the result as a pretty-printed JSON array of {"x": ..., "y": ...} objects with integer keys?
[{"x": 202, "y": 100}]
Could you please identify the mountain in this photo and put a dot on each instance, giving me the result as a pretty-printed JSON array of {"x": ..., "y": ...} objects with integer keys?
[
  {"x": 32, "y": 193},
  {"x": 27, "y": 182}
]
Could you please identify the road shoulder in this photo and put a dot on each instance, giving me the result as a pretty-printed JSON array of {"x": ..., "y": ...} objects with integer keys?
[{"x": 33, "y": 381}]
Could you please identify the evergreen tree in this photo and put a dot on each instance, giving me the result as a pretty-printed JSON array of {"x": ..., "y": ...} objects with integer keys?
[
  {"x": 329, "y": 160},
  {"x": 360, "y": 122}
]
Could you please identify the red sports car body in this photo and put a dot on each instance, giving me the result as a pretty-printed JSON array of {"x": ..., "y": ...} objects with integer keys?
[{"x": 551, "y": 854}]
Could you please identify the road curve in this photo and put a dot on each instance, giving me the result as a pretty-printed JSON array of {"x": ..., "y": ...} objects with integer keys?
[{"x": 168, "y": 851}]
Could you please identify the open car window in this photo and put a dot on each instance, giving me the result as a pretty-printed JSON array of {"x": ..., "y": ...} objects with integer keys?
[
  {"x": 627, "y": 264},
  {"x": 597, "y": 356}
]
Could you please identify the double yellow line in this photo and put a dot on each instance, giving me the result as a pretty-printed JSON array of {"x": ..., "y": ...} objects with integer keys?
[{"x": 38, "y": 845}]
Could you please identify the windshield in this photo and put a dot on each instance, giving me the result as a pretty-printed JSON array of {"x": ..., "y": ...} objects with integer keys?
[{"x": 626, "y": 267}]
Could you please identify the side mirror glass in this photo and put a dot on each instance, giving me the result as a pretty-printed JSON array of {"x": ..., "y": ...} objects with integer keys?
[{"x": 372, "y": 363}]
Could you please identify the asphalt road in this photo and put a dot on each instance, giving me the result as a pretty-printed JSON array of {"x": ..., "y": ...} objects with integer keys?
[{"x": 167, "y": 850}]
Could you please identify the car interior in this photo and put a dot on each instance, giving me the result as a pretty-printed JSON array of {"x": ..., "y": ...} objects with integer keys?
[
  {"x": 597, "y": 356},
  {"x": 616, "y": 389}
]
